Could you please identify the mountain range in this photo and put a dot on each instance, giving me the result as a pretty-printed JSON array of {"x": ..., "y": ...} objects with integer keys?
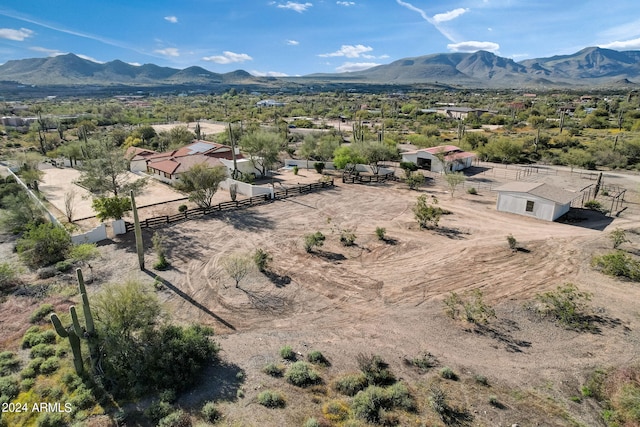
[{"x": 589, "y": 67}]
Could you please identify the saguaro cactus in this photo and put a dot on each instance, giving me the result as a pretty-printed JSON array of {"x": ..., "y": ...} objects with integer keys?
[
  {"x": 75, "y": 332},
  {"x": 138, "y": 232}
]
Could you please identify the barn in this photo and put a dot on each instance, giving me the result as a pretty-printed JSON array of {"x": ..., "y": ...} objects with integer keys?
[
  {"x": 444, "y": 158},
  {"x": 534, "y": 199}
]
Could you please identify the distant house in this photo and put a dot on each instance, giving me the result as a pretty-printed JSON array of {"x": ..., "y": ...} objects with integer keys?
[
  {"x": 269, "y": 103},
  {"x": 168, "y": 166},
  {"x": 460, "y": 113},
  {"x": 534, "y": 199},
  {"x": 444, "y": 158}
]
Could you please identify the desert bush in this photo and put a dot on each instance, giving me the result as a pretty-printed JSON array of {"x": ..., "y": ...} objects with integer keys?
[
  {"x": 210, "y": 412},
  {"x": 427, "y": 215},
  {"x": 471, "y": 304},
  {"x": 40, "y": 312},
  {"x": 182, "y": 208},
  {"x": 271, "y": 399},
  {"x": 63, "y": 266},
  {"x": 566, "y": 305},
  {"x": 51, "y": 419},
  {"x": 595, "y": 206},
  {"x": 273, "y": 369},
  {"x": 35, "y": 336},
  {"x": 317, "y": 358},
  {"x": 42, "y": 350},
  {"x": 618, "y": 237},
  {"x": 295, "y": 170},
  {"x": 347, "y": 237},
  {"x": 43, "y": 245},
  {"x": 318, "y": 166},
  {"x": 424, "y": 361},
  {"x": 301, "y": 374},
  {"x": 481, "y": 379},
  {"x": 178, "y": 418},
  {"x": 350, "y": 384},
  {"x": 50, "y": 365},
  {"x": 448, "y": 374},
  {"x": 414, "y": 180},
  {"x": 71, "y": 380},
  {"x": 512, "y": 242},
  {"x": 617, "y": 264},
  {"x": 261, "y": 259},
  {"x": 438, "y": 401},
  {"x": 368, "y": 403},
  {"x": 375, "y": 369},
  {"x": 9, "y": 389},
  {"x": 335, "y": 410},
  {"x": 158, "y": 247},
  {"x": 472, "y": 190},
  {"x": 27, "y": 384},
  {"x": 158, "y": 410},
  {"x": 8, "y": 277},
  {"x": 311, "y": 422},
  {"x": 8, "y": 363},
  {"x": 380, "y": 233},
  {"x": 313, "y": 240},
  {"x": 287, "y": 353}
]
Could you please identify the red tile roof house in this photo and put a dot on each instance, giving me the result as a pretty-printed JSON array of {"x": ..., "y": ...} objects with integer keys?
[
  {"x": 168, "y": 166},
  {"x": 455, "y": 159}
]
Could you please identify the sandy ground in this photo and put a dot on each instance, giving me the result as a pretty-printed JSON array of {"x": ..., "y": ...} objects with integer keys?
[{"x": 386, "y": 297}]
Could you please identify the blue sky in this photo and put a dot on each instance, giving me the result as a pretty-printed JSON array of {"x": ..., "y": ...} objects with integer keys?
[{"x": 292, "y": 38}]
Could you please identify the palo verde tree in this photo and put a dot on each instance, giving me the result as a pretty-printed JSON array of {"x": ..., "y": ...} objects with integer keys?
[
  {"x": 263, "y": 148},
  {"x": 201, "y": 182},
  {"x": 105, "y": 170}
]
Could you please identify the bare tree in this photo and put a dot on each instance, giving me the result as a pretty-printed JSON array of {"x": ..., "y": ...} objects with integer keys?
[
  {"x": 237, "y": 266},
  {"x": 69, "y": 204}
]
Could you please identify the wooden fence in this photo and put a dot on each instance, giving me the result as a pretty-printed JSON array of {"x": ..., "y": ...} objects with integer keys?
[
  {"x": 230, "y": 205},
  {"x": 356, "y": 178}
]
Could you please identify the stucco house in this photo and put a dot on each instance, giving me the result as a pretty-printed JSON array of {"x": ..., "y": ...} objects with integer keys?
[
  {"x": 534, "y": 199},
  {"x": 443, "y": 158},
  {"x": 168, "y": 166}
]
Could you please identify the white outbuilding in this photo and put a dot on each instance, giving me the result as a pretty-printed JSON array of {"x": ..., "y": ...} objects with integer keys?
[
  {"x": 534, "y": 199},
  {"x": 443, "y": 158}
]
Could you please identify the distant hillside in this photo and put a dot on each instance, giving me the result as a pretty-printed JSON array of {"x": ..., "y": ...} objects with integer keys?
[
  {"x": 72, "y": 70},
  {"x": 589, "y": 67}
]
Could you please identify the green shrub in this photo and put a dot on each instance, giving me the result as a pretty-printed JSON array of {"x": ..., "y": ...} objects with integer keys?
[
  {"x": 438, "y": 401},
  {"x": 482, "y": 380},
  {"x": 448, "y": 374},
  {"x": 40, "y": 312},
  {"x": 51, "y": 419},
  {"x": 423, "y": 362},
  {"x": 82, "y": 398},
  {"x": 414, "y": 180},
  {"x": 8, "y": 276},
  {"x": 43, "y": 245},
  {"x": 178, "y": 418},
  {"x": 168, "y": 395},
  {"x": 287, "y": 353},
  {"x": 369, "y": 403},
  {"x": 512, "y": 242},
  {"x": 182, "y": 208},
  {"x": 9, "y": 389},
  {"x": 319, "y": 166},
  {"x": 295, "y": 169},
  {"x": 27, "y": 383},
  {"x": 50, "y": 365},
  {"x": 210, "y": 412},
  {"x": 63, "y": 266},
  {"x": 472, "y": 190},
  {"x": 261, "y": 259},
  {"x": 158, "y": 410},
  {"x": 347, "y": 237},
  {"x": 29, "y": 372},
  {"x": 375, "y": 369},
  {"x": 566, "y": 305},
  {"x": 399, "y": 397},
  {"x": 271, "y": 399},
  {"x": 335, "y": 410},
  {"x": 71, "y": 380},
  {"x": 8, "y": 363},
  {"x": 350, "y": 384},
  {"x": 273, "y": 369},
  {"x": 594, "y": 205},
  {"x": 311, "y": 422},
  {"x": 35, "y": 336},
  {"x": 380, "y": 233},
  {"x": 42, "y": 350},
  {"x": 618, "y": 264},
  {"x": 317, "y": 358},
  {"x": 313, "y": 240},
  {"x": 427, "y": 215},
  {"x": 301, "y": 374}
]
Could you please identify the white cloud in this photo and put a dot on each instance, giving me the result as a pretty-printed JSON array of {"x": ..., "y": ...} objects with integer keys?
[
  {"x": 268, "y": 73},
  {"x": 350, "y": 51},
  {"x": 473, "y": 46},
  {"x": 355, "y": 66},
  {"x": 346, "y": 3},
  {"x": 88, "y": 58},
  {"x": 172, "y": 19},
  {"x": 622, "y": 32},
  {"x": 228, "y": 58},
  {"x": 298, "y": 7},
  {"x": 49, "y": 52},
  {"x": 633, "y": 44},
  {"x": 169, "y": 51},
  {"x": 448, "y": 16},
  {"x": 293, "y": 42},
  {"x": 16, "y": 35},
  {"x": 426, "y": 17}
]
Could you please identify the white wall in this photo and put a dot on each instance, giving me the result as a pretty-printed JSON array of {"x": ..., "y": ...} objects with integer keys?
[
  {"x": 247, "y": 189},
  {"x": 92, "y": 236},
  {"x": 244, "y": 165},
  {"x": 302, "y": 164},
  {"x": 542, "y": 208},
  {"x": 139, "y": 165}
]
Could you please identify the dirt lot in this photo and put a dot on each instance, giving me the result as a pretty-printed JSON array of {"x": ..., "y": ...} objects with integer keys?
[{"x": 385, "y": 297}]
